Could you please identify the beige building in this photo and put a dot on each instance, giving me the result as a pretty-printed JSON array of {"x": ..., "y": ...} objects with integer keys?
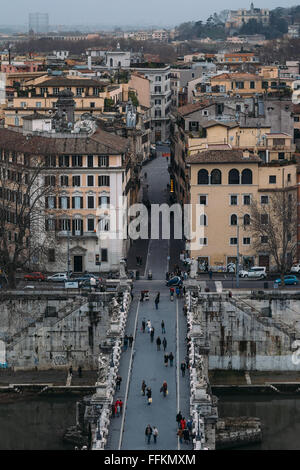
[{"x": 223, "y": 183}]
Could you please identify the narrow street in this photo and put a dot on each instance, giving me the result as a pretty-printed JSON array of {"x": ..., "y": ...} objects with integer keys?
[{"x": 143, "y": 361}]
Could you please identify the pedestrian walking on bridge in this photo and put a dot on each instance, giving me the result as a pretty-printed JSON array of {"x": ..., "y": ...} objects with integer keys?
[
  {"x": 183, "y": 367},
  {"x": 130, "y": 339},
  {"x": 156, "y": 301},
  {"x": 166, "y": 360},
  {"x": 164, "y": 389},
  {"x": 155, "y": 434},
  {"x": 171, "y": 359},
  {"x": 148, "y": 433},
  {"x": 163, "y": 329},
  {"x": 158, "y": 343},
  {"x": 143, "y": 326},
  {"x": 144, "y": 386},
  {"x": 149, "y": 395},
  {"x": 178, "y": 418},
  {"x": 118, "y": 382},
  {"x": 152, "y": 334},
  {"x": 165, "y": 343}
]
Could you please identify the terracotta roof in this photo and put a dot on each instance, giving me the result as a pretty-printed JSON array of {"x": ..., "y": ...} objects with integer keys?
[
  {"x": 99, "y": 143},
  {"x": 222, "y": 156},
  {"x": 192, "y": 107}
]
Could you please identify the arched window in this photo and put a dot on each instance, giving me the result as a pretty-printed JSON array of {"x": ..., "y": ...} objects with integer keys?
[
  {"x": 247, "y": 177},
  {"x": 247, "y": 219},
  {"x": 233, "y": 219},
  {"x": 203, "y": 220},
  {"x": 234, "y": 177},
  {"x": 203, "y": 177},
  {"x": 216, "y": 177}
]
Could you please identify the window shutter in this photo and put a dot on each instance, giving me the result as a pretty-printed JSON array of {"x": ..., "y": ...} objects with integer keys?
[
  {"x": 81, "y": 203},
  {"x": 46, "y": 203},
  {"x": 61, "y": 160},
  {"x": 55, "y": 203},
  {"x": 59, "y": 202},
  {"x": 68, "y": 202},
  {"x": 73, "y": 202}
]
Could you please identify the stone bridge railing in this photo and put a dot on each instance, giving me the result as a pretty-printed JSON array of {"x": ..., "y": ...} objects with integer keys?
[
  {"x": 203, "y": 405},
  {"x": 103, "y": 398}
]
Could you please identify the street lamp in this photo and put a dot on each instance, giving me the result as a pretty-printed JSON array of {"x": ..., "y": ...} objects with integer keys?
[{"x": 238, "y": 255}]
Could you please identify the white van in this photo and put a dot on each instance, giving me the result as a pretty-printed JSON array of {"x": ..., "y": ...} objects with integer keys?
[
  {"x": 255, "y": 272},
  {"x": 295, "y": 268}
]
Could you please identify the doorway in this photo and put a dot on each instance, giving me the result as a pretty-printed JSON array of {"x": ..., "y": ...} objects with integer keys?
[{"x": 78, "y": 264}]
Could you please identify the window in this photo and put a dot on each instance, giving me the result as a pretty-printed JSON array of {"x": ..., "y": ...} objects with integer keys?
[
  {"x": 157, "y": 113},
  {"x": 157, "y": 89},
  {"x": 90, "y": 201},
  {"x": 104, "y": 255},
  {"x": 289, "y": 177},
  {"x": 44, "y": 90},
  {"x": 91, "y": 225},
  {"x": 64, "y": 225},
  {"x": 38, "y": 104},
  {"x": 157, "y": 102},
  {"x": 233, "y": 219},
  {"x": 55, "y": 91},
  {"x": 247, "y": 219},
  {"x": 64, "y": 202},
  {"x": 202, "y": 177},
  {"x": 90, "y": 161},
  {"x": 239, "y": 85},
  {"x": 246, "y": 176},
  {"x": 203, "y": 241},
  {"x": 64, "y": 180},
  {"x": 49, "y": 180},
  {"x": 90, "y": 180},
  {"x": 246, "y": 241},
  {"x": 158, "y": 78},
  {"x": 103, "y": 180},
  {"x": 272, "y": 179},
  {"x": 64, "y": 160},
  {"x": 76, "y": 180},
  {"x": 233, "y": 241},
  {"x": 264, "y": 239},
  {"x": 77, "y": 227},
  {"x": 92, "y": 104},
  {"x": 216, "y": 177},
  {"x": 77, "y": 202},
  {"x": 76, "y": 160},
  {"x": 264, "y": 219},
  {"x": 264, "y": 199},
  {"x": 281, "y": 155},
  {"x": 79, "y": 91},
  {"x": 23, "y": 104},
  {"x": 247, "y": 199},
  {"x": 203, "y": 200},
  {"x": 103, "y": 161},
  {"x": 233, "y": 200},
  {"x": 50, "y": 225},
  {"x": 103, "y": 201},
  {"x": 203, "y": 220},
  {"x": 252, "y": 85},
  {"x": 51, "y": 255},
  {"x": 234, "y": 177}
]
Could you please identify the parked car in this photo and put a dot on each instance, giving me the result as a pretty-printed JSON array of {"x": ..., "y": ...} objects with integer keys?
[
  {"x": 58, "y": 277},
  {"x": 175, "y": 281},
  {"x": 34, "y": 277},
  {"x": 167, "y": 142},
  {"x": 255, "y": 272},
  {"x": 289, "y": 280},
  {"x": 295, "y": 268}
]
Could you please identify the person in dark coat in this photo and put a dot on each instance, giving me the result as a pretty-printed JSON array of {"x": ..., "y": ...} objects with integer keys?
[
  {"x": 164, "y": 343},
  {"x": 171, "y": 359},
  {"x": 158, "y": 343},
  {"x": 152, "y": 334},
  {"x": 143, "y": 326},
  {"x": 143, "y": 388},
  {"x": 163, "y": 329},
  {"x": 80, "y": 372},
  {"x": 166, "y": 360},
  {"x": 178, "y": 418},
  {"x": 186, "y": 435},
  {"x": 148, "y": 433},
  {"x": 118, "y": 382},
  {"x": 130, "y": 339},
  {"x": 156, "y": 301},
  {"x": 164, "y": 388},
  {"x": 183, "y": 367}
]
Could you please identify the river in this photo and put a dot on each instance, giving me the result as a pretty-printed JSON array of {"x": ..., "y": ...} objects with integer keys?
[
  {"x": 280, "y": 419},
  {"x": 36, "y": 424}
]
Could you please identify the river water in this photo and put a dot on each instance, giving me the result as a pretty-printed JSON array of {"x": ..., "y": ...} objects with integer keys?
[
  {"x": 280, "y": 419},
  {"x": 40, "y": 423},
  {"x": 36, "y": 424}
]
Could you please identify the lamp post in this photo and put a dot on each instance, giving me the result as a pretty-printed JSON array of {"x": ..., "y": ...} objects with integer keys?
[
  {"x": 68, "y": 262},
  {"x": 238, "y": 255}
]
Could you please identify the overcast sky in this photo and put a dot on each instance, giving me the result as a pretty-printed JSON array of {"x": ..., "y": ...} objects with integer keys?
[{"x": 123, "y": 11}]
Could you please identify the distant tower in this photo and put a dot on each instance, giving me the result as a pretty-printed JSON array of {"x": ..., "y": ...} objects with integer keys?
[
  {"x": 252, "y": 6},
  {"x": 65, "y": 106}
]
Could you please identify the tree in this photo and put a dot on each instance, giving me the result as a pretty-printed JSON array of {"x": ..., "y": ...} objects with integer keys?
[
  {"x": 274, "y": 228},
  {"x": 23, "y": 191}
]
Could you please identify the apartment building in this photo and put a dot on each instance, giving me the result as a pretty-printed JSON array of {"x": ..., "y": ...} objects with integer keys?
[
  {"x": 225, "y": 182},
  {"x": 89, "y": 174},
  {"x": 159, "y": 76}
]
